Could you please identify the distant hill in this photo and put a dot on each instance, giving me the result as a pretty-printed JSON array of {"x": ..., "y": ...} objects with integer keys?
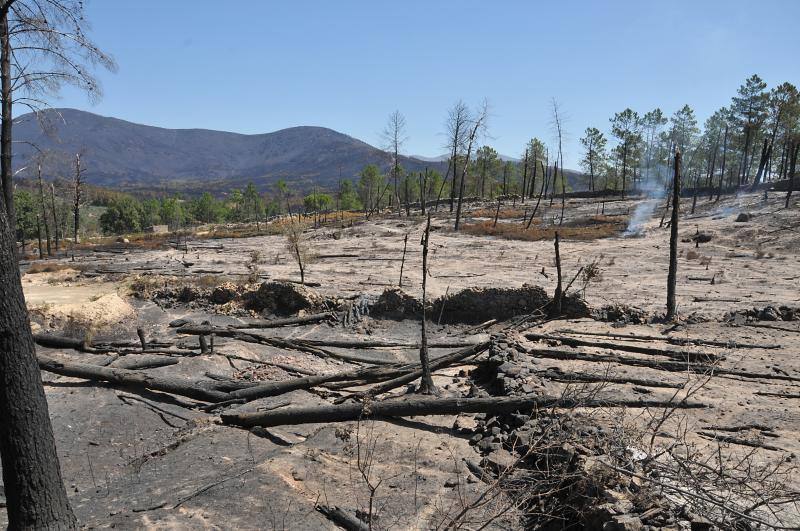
[{"x": 128, "y": 155}]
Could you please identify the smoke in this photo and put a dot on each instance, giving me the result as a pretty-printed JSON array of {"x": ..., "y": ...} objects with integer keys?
[{"x": 654, "y": 192}]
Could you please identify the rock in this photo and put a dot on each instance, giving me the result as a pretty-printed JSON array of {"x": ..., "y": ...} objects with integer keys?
[
  {"x": 450, "y": 483},
  {"x": 743, "y": 217},
  {"x": 770, "y": 313},
  {"x": 224, "y": 293},
  {"x": 499, "y": 460},
  {"x": 177, "y": 323}
]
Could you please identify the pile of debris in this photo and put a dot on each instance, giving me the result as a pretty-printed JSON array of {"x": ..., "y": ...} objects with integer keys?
[{"x": 767, "y": 313}]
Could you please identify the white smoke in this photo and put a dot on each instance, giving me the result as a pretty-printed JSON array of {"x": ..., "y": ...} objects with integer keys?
[{"x": 654, "y": 192}]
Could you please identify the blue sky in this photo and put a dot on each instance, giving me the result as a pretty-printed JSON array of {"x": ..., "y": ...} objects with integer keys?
[{"x": 258, "y": 66}]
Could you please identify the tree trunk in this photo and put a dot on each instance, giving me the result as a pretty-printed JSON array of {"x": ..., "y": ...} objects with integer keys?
[
  {"x": 557, "y": 296},
  {"x": 5, "y": 129},
  {"x": 794, "y": 148},
  {"x": 43, "y": 203},
  {"x": 426, "y": 385},
  {"x": 672, "y": 275},
  {"x": 55, "y": 215},
  {"x": 31, "y": 474},
  {"x": 525, "y": 176},
  {"x": 724, "y": 157},
  {"x": 420, "y": 406}
]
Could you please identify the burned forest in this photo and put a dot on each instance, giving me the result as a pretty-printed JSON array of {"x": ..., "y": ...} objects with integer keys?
[{"x": 300, "y": 330}]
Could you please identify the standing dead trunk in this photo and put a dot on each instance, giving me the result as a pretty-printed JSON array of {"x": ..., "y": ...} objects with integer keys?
[
  {"x": 542, "y": 191},
  {"x": 793, "y": 148},
  {"x": 55, "y": 214},
  {"x": 558, "y": 294},
  {"x": 426, "y": 385},
  {"x": 496, "y": 213},
  {"x": 672, "y": 275},
  {"x": 76, "y": 205},
  {"x": 403, "y": 261},
  {"x": 525, "y": 176},
  {"x": 43, "y": 208},
  {"x": 31, "y": 474}
]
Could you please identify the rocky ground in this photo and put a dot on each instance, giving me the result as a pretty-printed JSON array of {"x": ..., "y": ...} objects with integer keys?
[{"x": 134, "y": 458}]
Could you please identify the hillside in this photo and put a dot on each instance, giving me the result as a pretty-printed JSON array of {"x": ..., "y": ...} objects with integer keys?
[{"x": 128, "y": 155}]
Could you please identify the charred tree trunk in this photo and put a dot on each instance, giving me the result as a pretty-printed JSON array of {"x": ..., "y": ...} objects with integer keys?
[
  {"x": 672, "y": 275},
  {"x": 55, "y": 215},
  {"x": 5, "y": 129},
  {"x": 794, "y": 148},
  {"x": 426, "y": 385},
  {"x": 525, "y": 176},
  {"x": 558, "y": 294},
  {"x": 31, "y": 474}
]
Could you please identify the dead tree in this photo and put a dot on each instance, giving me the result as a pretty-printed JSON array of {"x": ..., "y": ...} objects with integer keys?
[
  {"x": 403, "y": 261},
  {"x": 724, "y": 157},
  {"x": 426, "y": 385},
  {"x": 557, "y": 296},
  {"x": 6, "y": 99},
  {"x": 478, "y": 125},
  {"x": 558, "y": 126},
  {"x": 77, "y": 185},
  {"x": 54, "y": 213},
  {"x": 31, "y": 474},
  {"x": 672, "y": 275},
  {"x": 457, "y": 122},
  {"x": 794, "y": 148},
  {"x": 43, "y": 207},
  {"x": 394, "y": 135}
]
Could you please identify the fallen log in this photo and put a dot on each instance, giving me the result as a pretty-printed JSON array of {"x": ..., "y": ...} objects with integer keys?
[
  {"x": 342, "y": 518},
  {"x": 131, "y": 378},
  {"x": 289, "y": 321},
  {"x": 396, "y": 374},
  {"x": 777, "y": 395},
  {"x": 738, "y": 440},
  {"x": 291, "y": 344},
  {"x": 423, "y": 406},
  {"x": 142, "y": 362},
  {"x": 673, "y": 340},
  {"x": 651, "y": 351},
  {"x": 670, "y": 366},
  {"x": 560, "y": 376}
]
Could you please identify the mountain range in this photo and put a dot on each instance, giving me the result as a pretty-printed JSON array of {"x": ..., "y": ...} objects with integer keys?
[{"x": 125, "y": 155}]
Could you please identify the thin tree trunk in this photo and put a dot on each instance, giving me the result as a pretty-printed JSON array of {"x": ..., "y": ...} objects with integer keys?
[
  {"x": 672, "y": 275},
  {"x": 558, "y": 294},
  {"x": 724, "y": 157},
  {"x": 794, "y": 148},
  {"x": 426, "y": 385},
  {"x": 55, "y": 215},
  {"x": 43, "y": 205}
]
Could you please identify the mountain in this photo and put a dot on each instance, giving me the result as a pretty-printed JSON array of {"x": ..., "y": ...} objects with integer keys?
[{"x": 128, "y": 155}]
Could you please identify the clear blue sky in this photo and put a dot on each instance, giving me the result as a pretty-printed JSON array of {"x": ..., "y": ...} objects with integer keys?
[{"x": 258, "y": 66}]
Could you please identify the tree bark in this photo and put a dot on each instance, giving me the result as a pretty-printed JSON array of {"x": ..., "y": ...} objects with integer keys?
[
  {"x": 31, "y": 474},
  {"x": 43, "y": 205},
  {"x": 795, "y": 147},
  {"x": 672, "y": 275},
  {"x": 557, "y": 296},
  {"x": 5, "y": 128}
]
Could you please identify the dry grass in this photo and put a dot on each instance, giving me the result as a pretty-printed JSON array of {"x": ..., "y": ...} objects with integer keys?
[
  {"x": 592, "y": 228},
  {"x": 50, "y": 267},
  {"x": 505, "y": 213}
]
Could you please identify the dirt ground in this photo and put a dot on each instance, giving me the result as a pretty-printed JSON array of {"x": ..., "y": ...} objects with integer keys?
[{"x": 135, "y": 459}]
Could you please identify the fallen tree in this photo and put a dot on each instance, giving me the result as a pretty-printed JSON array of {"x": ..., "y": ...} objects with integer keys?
[
  {"x": 673, "y": 340},
  {"x": 651, "y": 351},
  {"x": 422, "y": 406},
  {"x": 131, "y": 378}
]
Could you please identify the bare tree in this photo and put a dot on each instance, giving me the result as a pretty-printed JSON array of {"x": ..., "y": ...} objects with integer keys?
[
  {"x": 43, "y": 46},
  {"x": 477, "y": 126},
  {"x": 43, "y": 207},
  {"x": 394, "y": 136},
  {"x": 458, "y": 119},
  {"x": 77, "y": 185},
  {"x": 558, "y": 125}
]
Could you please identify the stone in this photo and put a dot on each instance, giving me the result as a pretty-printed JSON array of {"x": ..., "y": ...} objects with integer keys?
[{"x": 623, "y": 523}]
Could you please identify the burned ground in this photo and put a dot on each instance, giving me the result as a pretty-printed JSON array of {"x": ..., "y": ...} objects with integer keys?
[{"x": 134, "y": 457}]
